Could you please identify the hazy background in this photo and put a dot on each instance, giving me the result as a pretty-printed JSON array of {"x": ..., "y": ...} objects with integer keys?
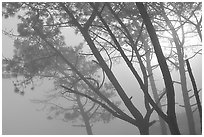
[{"x": 20, "y": 116}]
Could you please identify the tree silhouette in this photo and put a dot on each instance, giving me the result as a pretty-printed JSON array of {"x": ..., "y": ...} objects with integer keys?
[{"x": 107, "y": 28}]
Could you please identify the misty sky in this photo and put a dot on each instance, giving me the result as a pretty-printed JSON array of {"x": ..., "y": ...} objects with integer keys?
[{"x": 20, "y": 115}]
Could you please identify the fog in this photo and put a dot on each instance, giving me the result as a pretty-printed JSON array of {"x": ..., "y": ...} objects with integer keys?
[{"x": 22, "y": 117}]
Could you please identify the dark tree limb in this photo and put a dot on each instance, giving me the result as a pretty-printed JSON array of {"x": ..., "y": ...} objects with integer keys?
[
  {"x": 195, "y": 91},
  {"x": 114, "y": 113}
]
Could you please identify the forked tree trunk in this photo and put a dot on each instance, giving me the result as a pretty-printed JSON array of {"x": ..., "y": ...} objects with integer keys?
[{"x": 143, "y": 127}]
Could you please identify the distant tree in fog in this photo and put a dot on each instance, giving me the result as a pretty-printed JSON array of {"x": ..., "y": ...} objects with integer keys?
[{"x": 34, "y": 62}]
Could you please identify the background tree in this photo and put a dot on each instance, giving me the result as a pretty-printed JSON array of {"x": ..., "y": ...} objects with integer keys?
[{"x": 32, "y": 61}]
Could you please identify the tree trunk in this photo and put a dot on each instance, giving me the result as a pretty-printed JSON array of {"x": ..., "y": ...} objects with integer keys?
[
  {"x": 144, "y": 127},
  {"x": 84, "y": 116},
  {"x": 195, "y": 92},
  {"x": 144, "y": 130},
  {"x": 153, "y": 85},
  {"x": 189, "y": 113},
  {"x": 171, "y": 119}
]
